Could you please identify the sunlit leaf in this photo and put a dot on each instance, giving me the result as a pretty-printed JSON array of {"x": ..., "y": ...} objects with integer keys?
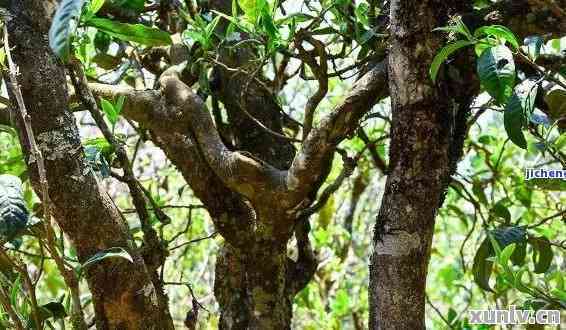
[
  {"x": 499, "y": 31},
  {"x": 139, "y": 33}
]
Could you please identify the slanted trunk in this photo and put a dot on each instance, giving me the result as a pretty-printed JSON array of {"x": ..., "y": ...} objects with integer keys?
[
  {"x": 427, "y": 134},
  {"x": 123, "y": 294}
]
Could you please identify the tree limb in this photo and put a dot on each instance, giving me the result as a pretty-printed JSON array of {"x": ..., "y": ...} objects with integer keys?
[{"x": 312, "y": 162}]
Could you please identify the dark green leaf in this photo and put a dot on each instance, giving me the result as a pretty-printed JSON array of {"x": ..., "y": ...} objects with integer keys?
[
  {"x": 131, "y": 32},
  {"x": 542, "y": 253},
  {"x": 13, "y": 212},
  {"x": 478, "y": 191},
  {"x": 518, "y": 109},
  {"x": 483, "y": 267},
  {"x": 496, "y": 70},
  {"x": 501, "y": 211},
  {"x": 52, "y": 310},
  {"x": 518, "y": 256},
  {"x": 62, "y": 27},
  {"x": 443, "y": 55}
]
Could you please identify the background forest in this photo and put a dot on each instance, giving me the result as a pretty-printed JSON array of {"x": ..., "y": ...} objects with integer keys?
[{"x": 270, "y": 77}]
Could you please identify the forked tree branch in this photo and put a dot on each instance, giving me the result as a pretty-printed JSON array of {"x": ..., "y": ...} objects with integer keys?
[{"x": 314, "y": 159}]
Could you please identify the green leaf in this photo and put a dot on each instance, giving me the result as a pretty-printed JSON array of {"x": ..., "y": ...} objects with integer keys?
[
  {"x": 533, "y": 45},
  {"x": 479, "y": 192},
  {"x": 119, "y": 104},
  {"x": 93, "y": 8},
  {"x": 109, "y": 110},
  {"x": 501, "y": 211},
  {"x": 496, "y": 70},
  {"x": 443, "y": 55},
  {"x": 556, "y": 101},
  {"x": 506, "y": 254},
  {"x": 14, "y": 215},
  {"x": 518, "y": 110},
  {"x": 518, "y": 256},
  {"x": 62, "y": 27},
  {"x": 542, "y": 253},
  {"x": 252, "y": 8},
  {"x": 52, "y": 310},
  {"x": 115, "y": 252},
  {"x": 500, "y": 32},
  {"x": 524, "y": 194},
  {"x": 481, "y": 46},
  {"x": 269, "y": 27},
  {"x": 482, "y": 266},
  {"x": 131, "y": 32}
]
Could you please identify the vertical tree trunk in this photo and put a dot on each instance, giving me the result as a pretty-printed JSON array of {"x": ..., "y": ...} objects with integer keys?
[
  {"x": 123, "y": 294},
  {"x": 427, "y": 134}
]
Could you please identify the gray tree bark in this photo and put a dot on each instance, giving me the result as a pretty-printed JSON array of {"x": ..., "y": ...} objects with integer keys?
[
  {"x": 428, "y": 129},
  {"x": 123, "y": 294}
]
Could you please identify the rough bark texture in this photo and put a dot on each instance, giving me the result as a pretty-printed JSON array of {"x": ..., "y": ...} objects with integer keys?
[
  {"x": 427, "y": 134},
  {"x": 249, "y": 199},
  {"x": 122, "y": 292}
]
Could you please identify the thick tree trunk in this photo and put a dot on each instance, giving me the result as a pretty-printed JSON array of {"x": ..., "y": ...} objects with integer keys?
[
  {"x": 426, "y": 141},
  {"x": 252, "y": 286},
  {"x": 123, "y": 294}
]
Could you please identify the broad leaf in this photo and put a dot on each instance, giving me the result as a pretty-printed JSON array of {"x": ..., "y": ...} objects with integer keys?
[
  {"x": 13, "y": 212},
  {"x": 482, "y": 266},
  {"x": 443, "y": 55},
  {"x": 556, "y": 101},
  {"x": 131, "y": 32},
  {"x": 109, "y": 110},
  {"x": 496, "y": 70},
  {"x": 518, "y": 110},
  {"x": 500, "y": 32},
  {"x": 542, "y": 253},
  {"x": 518, "y": 256},
  {"x": 62, "y": 27}
]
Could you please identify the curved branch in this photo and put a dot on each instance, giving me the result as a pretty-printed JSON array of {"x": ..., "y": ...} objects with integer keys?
[
  {"x": 176, "y": 108},
  {"x": 312, "y": 162}
]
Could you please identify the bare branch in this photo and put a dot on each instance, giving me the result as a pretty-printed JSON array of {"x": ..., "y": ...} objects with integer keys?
[{"x": 312, "y": 162}]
